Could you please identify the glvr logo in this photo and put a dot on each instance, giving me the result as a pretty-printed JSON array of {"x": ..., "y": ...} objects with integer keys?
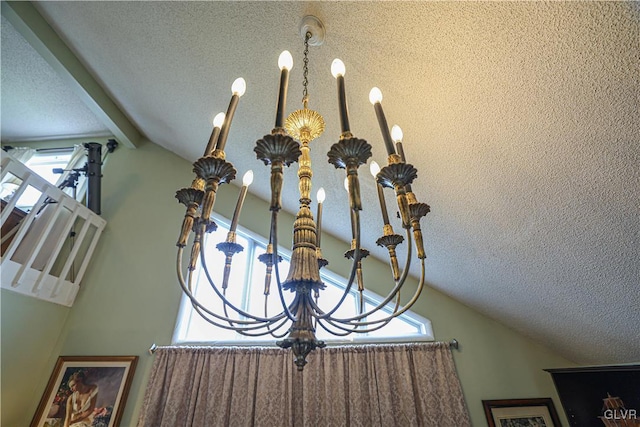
[{"x": 620, "y": 414}]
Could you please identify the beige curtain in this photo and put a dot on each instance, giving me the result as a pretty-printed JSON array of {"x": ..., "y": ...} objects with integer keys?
[
  {"x": 22, "y": 154},
  {"x": 371, "y": 385}
]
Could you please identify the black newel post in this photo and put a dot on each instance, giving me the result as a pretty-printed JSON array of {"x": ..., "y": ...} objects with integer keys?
[{"x": 94, "y": 175}]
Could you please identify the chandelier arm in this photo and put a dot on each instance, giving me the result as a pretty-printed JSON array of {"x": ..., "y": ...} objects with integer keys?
[
  {"x": 187, "y": 289},
  {"x": 323, "y": 315},
  {"x": 358, "y": 254},
  {"x": 269, "y": 331},
  {"x": 352, "y": 275},
  {"x": 333, "y": 332},
  {"x": 357, "y": 324},
  {"x": 407, "y": 263},
  {"x": 274, "y": 235},
  {"x": 190, "y": 280},
  {"x": 206, "y": 314},
  {"x": 267, "y": 259},
  {"x": 239, "y": 329},
  {"x": 355, "y": 327},
  {"x": 226, "y": 301},
  {"x": 405, "y": 307},
  {"x": 273, "y": 332},
  {"x": 389, "y": 297},
  {"x": 266, "y": 314},
  {"x": 236, "y": 328},
  {"x": 196, "y": 304}
]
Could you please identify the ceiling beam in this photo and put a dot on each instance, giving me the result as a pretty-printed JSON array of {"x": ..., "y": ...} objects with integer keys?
[{"x": 36, "y": 30}]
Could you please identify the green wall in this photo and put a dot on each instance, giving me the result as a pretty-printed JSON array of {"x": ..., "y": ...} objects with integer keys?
[
  {"x": 30, "y": 329},
  {"x": 129, "y": 300}
]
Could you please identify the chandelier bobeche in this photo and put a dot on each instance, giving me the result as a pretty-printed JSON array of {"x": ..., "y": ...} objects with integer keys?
[{"x": 288, "y": 143}]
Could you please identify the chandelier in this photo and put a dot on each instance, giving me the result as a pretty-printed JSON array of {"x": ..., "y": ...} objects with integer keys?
[{"x": 289, "y": 142}]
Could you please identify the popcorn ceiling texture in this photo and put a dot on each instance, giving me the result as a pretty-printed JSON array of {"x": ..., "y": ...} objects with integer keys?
[
  {"x": 522, "y": 118},
  {"x": 30, "y": 85}
]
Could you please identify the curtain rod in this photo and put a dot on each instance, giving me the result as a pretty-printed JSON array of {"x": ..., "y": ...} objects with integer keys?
[
  {"x": 7, "y": 148},
  {"x": 452, "y": 344},
  {"x": 54, "y": 149}
]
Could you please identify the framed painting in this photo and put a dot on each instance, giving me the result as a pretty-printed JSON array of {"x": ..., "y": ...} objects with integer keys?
[
  {"x": 86, "y": 391},
  {"x": 521, "y": 413}
]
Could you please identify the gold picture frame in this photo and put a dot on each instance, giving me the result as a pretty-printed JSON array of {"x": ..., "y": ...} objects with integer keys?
[
  {"x": 89, "y": 388},
  {"x": 539, "y": 412}
]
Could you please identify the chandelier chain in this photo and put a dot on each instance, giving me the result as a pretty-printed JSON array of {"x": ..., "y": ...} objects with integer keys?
[{"x": 305, "y": 70}]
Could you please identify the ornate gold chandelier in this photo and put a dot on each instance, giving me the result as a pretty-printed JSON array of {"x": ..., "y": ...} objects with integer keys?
[{"x": 288, "y": 143}]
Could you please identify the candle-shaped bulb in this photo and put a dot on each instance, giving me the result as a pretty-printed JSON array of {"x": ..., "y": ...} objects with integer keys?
[
  {"x": 346, "y": 184},
  {"x": 247, "y": 178},
  {"x": 337, "y": 68},
  {"x": 218, "y": 120},
  {"x": 285, "y": 60},
  {"x": 374, "y": 168},
  {"x": 396, "y": 134},
  {"x": 239, "y": 86},
  {"x": 320, "y": 195},
  {"x": 375, "y": 96}
]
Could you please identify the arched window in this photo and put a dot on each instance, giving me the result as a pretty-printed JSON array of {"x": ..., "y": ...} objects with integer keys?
[{"x": 191, "y": 328}]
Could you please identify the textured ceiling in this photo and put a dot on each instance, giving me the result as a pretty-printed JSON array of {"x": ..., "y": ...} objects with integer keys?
[
  {"x": 522, "y": 118},
  {"x": 36, "y": 102}
]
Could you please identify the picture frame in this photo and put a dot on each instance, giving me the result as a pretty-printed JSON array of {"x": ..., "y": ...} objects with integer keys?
[
  {"x": 539, "y": 412},
  {"x": 92, "y": 389}
]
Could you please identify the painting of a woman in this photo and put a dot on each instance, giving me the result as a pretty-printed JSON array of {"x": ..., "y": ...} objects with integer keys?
[
  {"x": 82, "y": 402},
  {"x": 86, "y": 391}
]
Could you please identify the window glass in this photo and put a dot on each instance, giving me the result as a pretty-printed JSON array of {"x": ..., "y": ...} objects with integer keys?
[{"x": 43, "y": 164}]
